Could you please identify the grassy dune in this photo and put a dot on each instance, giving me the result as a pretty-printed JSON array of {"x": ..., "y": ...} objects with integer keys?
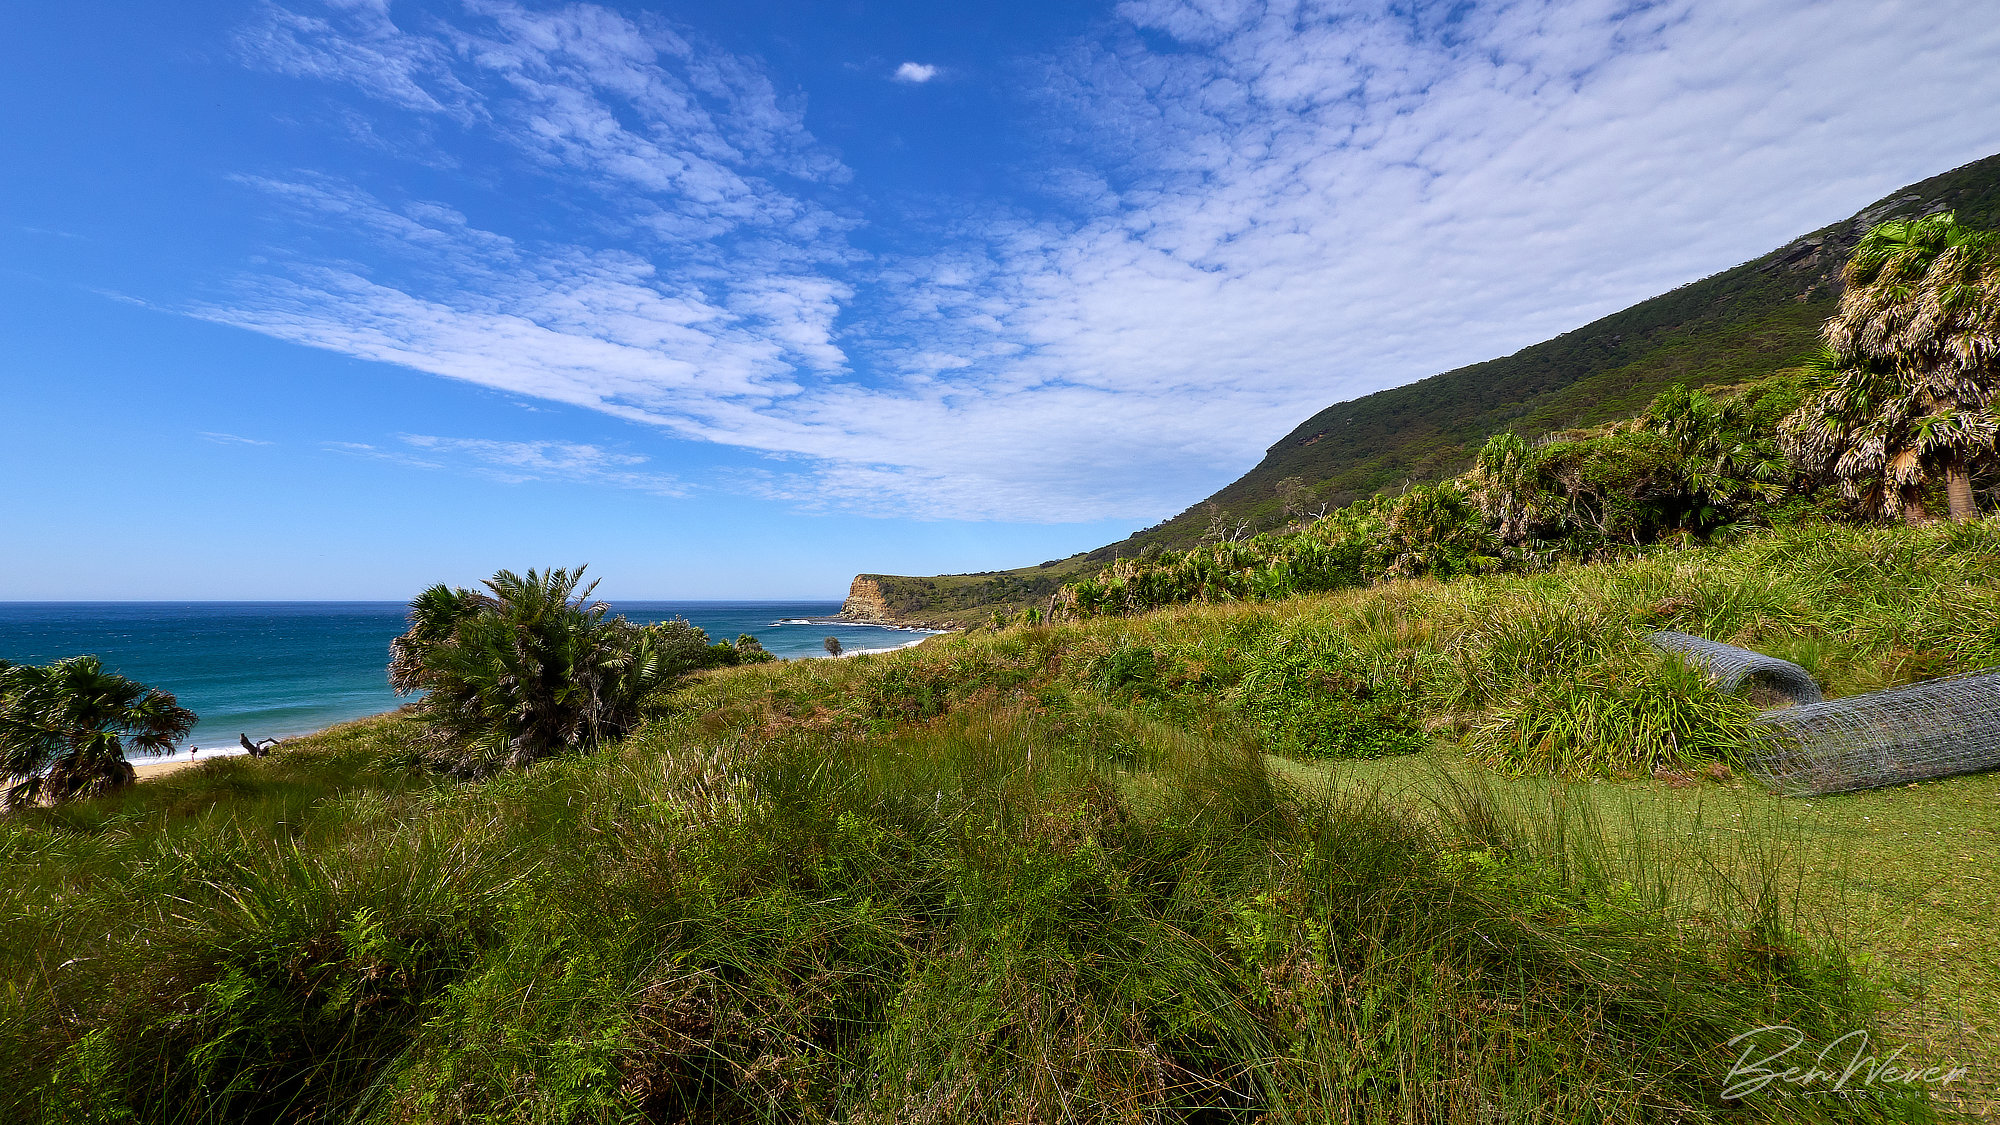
[{"x": 1176, "y": 868}]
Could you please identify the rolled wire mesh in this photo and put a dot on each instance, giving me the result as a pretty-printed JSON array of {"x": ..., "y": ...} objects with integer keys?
[
  {"x": 1933, "y": 729},
  {"x": 1732, "y": 668},
  {"x": 1937, "y": 728}
]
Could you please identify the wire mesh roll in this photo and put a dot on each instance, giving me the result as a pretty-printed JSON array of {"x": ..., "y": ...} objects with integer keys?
[
  {"x": 1734, "y": 668},
  {"x": 1937, "y": 728}
]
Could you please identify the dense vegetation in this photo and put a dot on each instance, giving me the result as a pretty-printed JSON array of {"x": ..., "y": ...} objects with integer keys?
[
  {"x": 532, "y": 667},
  {"x": 1692, "y": 466},
  {"x": 1897, "y": 411}
]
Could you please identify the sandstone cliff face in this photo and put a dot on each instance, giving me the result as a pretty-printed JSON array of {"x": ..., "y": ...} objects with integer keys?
[
  {"x": 957, "y": 601},
  {"x": 865, "y": 603}
]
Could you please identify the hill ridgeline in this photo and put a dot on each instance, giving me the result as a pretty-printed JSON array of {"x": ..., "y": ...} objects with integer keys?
[{"x": 1738, "y": 324}]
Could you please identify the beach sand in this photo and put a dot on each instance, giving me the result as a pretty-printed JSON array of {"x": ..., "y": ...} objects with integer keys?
[{"x": 156, "y": 769}]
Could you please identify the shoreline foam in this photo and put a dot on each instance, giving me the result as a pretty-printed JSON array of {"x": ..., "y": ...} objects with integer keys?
[
  {"x": 847, "y": 652},
  {"x": 183, "y": 756}
]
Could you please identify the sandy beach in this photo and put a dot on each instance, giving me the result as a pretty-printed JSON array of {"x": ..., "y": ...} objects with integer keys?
[{"x": 166, "y": 766}]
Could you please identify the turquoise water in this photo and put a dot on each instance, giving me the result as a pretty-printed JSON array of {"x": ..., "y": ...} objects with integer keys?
[{"x": 277, "y": 669}]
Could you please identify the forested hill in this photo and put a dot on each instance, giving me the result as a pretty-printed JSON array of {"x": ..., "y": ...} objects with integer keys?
[{"x": 1741, "y": 323}]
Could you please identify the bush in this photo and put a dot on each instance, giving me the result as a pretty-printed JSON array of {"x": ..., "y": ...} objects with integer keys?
[
  {"x": 534, "y": 668},
  {"x": 1644, "y": 713},
  {"x": 1313, "y": 694},
  {"x": 64, "y": 729}
]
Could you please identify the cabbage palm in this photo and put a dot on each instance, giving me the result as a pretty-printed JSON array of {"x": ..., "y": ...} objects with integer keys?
[
  {"x": 1916, "y": 338},
  {"x": 1506, "y": 488},
  {"x": 530, "y": 667},
  {"x": 1724, "y": 467},
  {"x": 65, "y": 728},
  {"x": 1882, "y": 437}
]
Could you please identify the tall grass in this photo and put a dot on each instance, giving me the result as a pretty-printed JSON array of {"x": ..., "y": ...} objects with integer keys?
[
  {"x": 1058, "y": 911},
  {"x": 1036, "y": 875},
  {"x": 1544, "y": 674}
]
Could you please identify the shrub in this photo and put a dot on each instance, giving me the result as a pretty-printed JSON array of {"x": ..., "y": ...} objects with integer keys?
[
  {"x": 534, "y": 668},
  {"x": 1633, "y": 716},
  {"x": 1435, "y": 529},
  {"x": 1312, "y": 693},
  {"x": 64, "y": 728}
]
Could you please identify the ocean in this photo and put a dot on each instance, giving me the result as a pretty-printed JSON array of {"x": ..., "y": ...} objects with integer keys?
[{"x": 278, "y": 669}]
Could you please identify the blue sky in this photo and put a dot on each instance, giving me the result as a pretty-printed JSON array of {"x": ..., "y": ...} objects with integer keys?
[{"x": 339, "y": 298}]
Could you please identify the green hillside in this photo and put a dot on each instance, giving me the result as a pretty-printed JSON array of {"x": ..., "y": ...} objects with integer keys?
[
  {"x": 957, "y": 600},
  {"x": 1738, "y": 324},
  {"x": 1741, "y": 323}
]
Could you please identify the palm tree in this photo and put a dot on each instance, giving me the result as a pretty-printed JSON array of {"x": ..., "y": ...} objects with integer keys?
[
  {"x": 1884, "y": 437},
  {"x": 1437, "y": 529},
  {"x": 1915, "y": 345},
  {"x": 65, "y": 728},
  {"x": 1722, "y": 468},
  {"x": 1505, "y": 486},
  {"x": 530, "y": 667}
]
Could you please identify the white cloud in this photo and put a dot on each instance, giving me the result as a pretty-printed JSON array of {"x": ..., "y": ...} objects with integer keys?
[
  {"x": 377, "y": 453},
  {"x": 1281, "y": 206},
  {"x": 520, "y": 462},
  {"x": 915, "y": 72},
  {"x": 230, "y": 439},
  {"x": 1307, "y": 202},
  {"x": 358, "y": 43},
  {"x": 517, "y": 462}
]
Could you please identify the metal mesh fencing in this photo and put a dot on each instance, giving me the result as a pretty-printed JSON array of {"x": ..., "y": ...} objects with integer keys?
[
  {"x": 1938, "y": 728},
  {"x": 1767, "y": 679}
]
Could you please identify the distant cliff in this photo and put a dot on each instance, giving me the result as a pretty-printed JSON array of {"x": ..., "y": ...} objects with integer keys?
[
  {"x": 865, "y": 602},
  {"x": 957, "y": 601}
]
